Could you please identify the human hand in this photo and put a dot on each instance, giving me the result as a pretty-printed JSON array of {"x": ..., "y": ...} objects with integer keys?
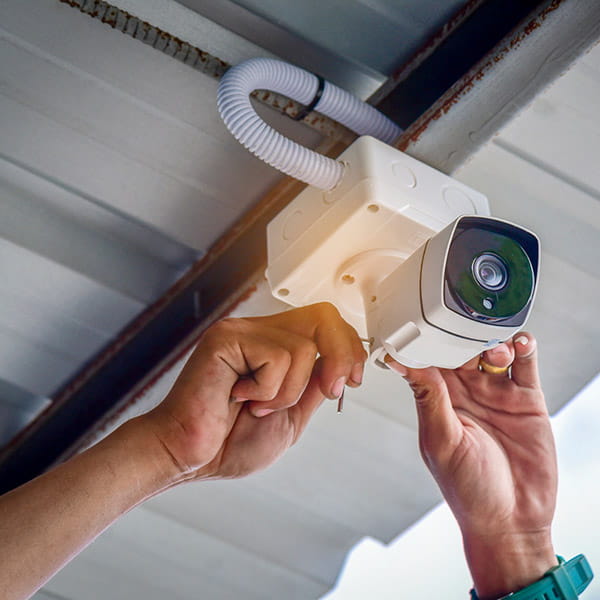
[
  {"x": 487, "y": 440},
  {"x": 209, "y": 426},
  {"x": 250, "y": 388}
]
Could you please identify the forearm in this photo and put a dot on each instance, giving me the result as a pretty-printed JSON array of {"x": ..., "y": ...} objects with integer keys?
[
  {"x": 501, "y": 564},
  {"x": 46, "y": 522}
]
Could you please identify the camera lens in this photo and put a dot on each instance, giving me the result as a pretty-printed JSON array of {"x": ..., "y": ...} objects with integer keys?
[
  {"x": 490, "y": 271},
  {"x": 489, "y": 275}
]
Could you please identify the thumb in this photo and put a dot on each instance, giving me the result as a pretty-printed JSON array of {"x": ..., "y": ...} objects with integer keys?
[{"x": 440, "y": 430}]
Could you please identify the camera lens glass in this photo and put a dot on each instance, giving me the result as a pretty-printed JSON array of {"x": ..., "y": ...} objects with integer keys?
[
  {"x": 489, "y": 276},
  {"x": 490, "y": 271}
]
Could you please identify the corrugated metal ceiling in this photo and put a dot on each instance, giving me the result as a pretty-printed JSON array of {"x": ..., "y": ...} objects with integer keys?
[{"x": 116, "y": 173}]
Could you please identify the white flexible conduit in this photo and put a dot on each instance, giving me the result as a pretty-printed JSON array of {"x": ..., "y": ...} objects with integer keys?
[{"x": 233, "y": 102}]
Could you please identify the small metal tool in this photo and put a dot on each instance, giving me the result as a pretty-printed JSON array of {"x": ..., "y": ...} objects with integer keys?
[{"x": 340, "y": 405}]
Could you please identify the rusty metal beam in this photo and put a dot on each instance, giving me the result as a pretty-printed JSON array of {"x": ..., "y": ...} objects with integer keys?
[
  {"x": 427, "y": 50},
  {"x": 538, "y": 51},
  {"x": 478, "y": 31}
]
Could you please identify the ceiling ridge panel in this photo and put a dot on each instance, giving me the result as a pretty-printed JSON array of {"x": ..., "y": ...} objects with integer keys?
[
  {"x": 83, "y": 164},
  {"x": 192, "y": 562},
  {"x": 317, "y": 546},
  {"x": 85, "y": 236},
  {"x": 246, "y": 549}
]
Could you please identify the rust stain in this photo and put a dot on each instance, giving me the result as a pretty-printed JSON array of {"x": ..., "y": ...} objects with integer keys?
[
  {"x": 199, "y": 59},
  {"x": 181, "y": 351},
  {"x": 465, "y": 85},
  {"x": 425, "y": 50},
  {"x": 437, "y": 38},
  {"x": 111, "y": 17},
  {"x": 128, "y": 333}
]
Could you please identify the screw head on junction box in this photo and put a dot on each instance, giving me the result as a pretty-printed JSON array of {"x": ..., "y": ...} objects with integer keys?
[{"x": 363, "y": 246}]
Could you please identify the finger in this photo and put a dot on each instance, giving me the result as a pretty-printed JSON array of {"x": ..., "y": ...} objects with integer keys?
[
  {"x": 501, "y": 356},
  {"x": 525, "y": 366},
  {"x": 337, "y": 342},
  {"x": 471, "y": 365},
  {"x": 440, "y": 430},
  {"x": 357, "y": 372},
  {"x": 342, "y": 353},
  {"x": 262, "y": 365},
  {"x": 303, "y": 354},
  {"x": 310, "y": 401}
]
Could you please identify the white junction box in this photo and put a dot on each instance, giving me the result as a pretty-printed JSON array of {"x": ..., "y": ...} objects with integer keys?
[{"x": 338, "y": 245}]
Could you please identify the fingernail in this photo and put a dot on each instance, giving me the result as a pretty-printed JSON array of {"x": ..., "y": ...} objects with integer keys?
[
  {"x": 238, "y": 399},
  {"x": 338, "y": 387},
  {"x": 523, "y": 340},
  {"x": 501, "y": 349},
  {"x": 263, "y": 412},
  {"x": 357, "y": 373}
]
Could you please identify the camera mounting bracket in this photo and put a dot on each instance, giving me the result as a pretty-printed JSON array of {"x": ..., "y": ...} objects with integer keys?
[{"x": 337, "y": 245}]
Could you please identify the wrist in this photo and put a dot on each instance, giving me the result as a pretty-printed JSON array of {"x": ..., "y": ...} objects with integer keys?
[
  {"x": 504, "y": 563},
  {"x": 155, "y": 467}
]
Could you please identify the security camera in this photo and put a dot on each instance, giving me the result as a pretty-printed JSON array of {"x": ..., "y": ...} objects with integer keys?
[
  {"x": 408, "y": 255},
  {"x": 465, "y": 290}
]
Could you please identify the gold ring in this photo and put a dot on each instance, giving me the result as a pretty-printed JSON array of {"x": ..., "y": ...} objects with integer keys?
[{"x": 492, "y": 369}]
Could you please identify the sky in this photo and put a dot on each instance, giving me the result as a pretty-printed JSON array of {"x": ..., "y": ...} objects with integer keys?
[{"x": 427, "y": 561}]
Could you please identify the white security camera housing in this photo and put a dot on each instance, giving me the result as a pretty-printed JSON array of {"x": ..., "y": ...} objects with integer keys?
[
  {"x": 472, "y": 286},
  {"x": 376, "y": 246}
]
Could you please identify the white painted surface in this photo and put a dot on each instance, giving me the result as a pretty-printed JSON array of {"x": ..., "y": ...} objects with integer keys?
[
  {"x": 366, "y": 32},
  {"x": 55, "y": 222},
  {"x": 124, "y": 563}
]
